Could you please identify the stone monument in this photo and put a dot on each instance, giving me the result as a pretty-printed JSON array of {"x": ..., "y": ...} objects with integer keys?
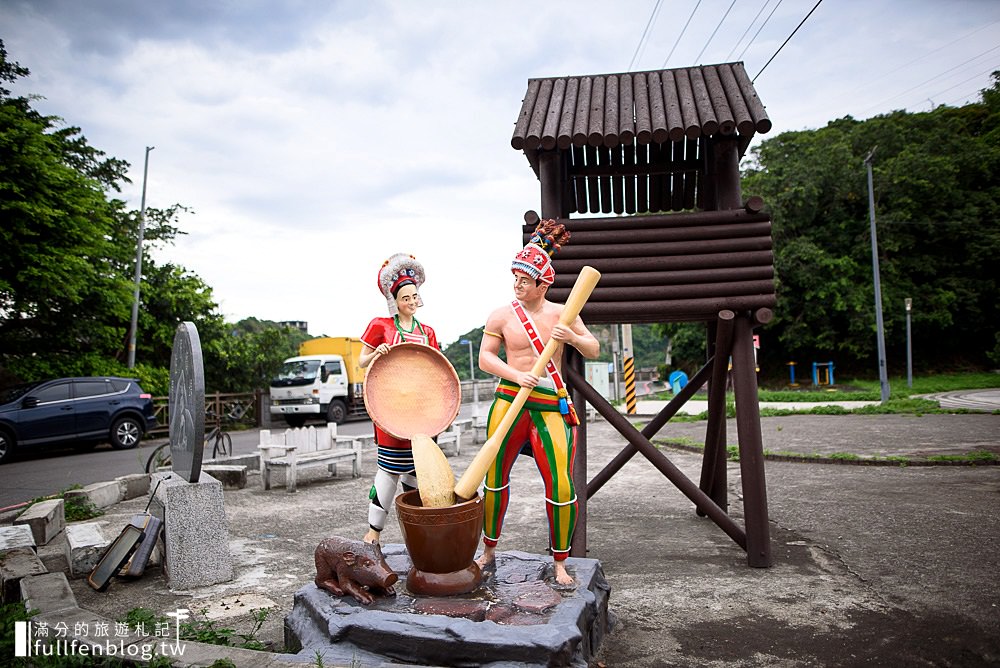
[{"x": 189, "y": 502}]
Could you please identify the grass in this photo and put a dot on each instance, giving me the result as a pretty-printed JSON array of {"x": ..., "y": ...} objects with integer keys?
[
  {"x": 204, "y": 630},
  {"x": 76, "y": 507},
  {"x": 902, "y": 399}
]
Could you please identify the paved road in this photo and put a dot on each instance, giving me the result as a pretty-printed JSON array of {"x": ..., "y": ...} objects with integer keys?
[
  {"x": 50, "y": 470},
  {"x": 976, "y": 400}
]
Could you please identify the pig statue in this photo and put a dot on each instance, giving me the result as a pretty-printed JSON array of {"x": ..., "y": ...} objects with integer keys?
[{"x": 353, "y": 567}]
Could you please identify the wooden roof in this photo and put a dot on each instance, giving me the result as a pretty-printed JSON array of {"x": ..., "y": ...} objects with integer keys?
[{"x": 613, "y": 110}]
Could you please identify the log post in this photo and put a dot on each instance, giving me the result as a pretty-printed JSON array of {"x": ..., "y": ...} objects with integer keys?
[
  {"x": 713, "y": 467},
  {"x": 548, "y": 174},
  {"x": 758, "y": 534}
]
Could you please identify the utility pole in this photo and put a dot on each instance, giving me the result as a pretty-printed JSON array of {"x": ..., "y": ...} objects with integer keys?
[
  {"x": 909, "y": 345},
  {"x": 138, "y": 265},
  {"x": 882, "y": 373}
]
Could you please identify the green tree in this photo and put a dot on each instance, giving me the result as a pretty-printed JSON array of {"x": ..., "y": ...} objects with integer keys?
[
  {"x": 57, "y": 279},
  {"x": 936, "y": 182},
  {"x": 249, "y": 355},
  {"x": 67, "y": 254}
]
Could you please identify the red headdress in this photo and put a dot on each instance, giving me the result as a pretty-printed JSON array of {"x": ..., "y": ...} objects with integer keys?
[{"x": 535, "y": 259}]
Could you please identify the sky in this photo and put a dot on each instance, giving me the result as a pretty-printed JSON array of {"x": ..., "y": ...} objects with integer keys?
[{"x": 312, "y": 140}]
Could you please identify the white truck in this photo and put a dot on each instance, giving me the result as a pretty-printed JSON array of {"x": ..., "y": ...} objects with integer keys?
[{"x": 323, "y": 381}]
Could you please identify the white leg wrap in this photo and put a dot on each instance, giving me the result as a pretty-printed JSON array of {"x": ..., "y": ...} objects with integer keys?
[{"x": 385, "y": 492}]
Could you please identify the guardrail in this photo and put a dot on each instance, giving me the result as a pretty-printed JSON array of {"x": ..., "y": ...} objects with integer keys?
[{"x": 228, "y": 408}]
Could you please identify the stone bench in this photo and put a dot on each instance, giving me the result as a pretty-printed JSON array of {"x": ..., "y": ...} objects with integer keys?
[
  {"x": 306, "y": 447},
  {"x": 453, "y": 435}
]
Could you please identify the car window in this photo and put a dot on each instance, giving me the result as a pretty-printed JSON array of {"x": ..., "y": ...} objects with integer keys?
[
  {"x": 57, "y": 392},
  {"x": 119, "y": 384},
  {"x": 16, "y": 392},
  {"x": 89, "y": 388},
  {"x": 333, "y": 368}
]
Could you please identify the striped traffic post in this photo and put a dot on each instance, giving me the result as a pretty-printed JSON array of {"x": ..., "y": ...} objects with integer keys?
[{"x": 628, "y": 366}]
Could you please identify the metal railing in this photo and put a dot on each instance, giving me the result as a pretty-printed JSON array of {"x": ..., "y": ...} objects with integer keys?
[{"x": 231, "y": 408}]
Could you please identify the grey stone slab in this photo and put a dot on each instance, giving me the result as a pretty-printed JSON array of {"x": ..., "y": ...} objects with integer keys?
[
  {"x": 133, "y": 486},
  {"x": 45, "y": 518},
  {"x": 498, "y": 622},
  {"x": 232, "y": 476},
  {"x": 85, "y": 543},
  {"x": 196, "y": 531},
  {"x": 101, "y": 494},
  {"x": 47, "y": 593},
  {"x": 16, "y": 564},
  {"x": 16, "y": 536}
]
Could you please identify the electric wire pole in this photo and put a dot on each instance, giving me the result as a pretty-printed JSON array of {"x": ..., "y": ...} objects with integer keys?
[
  {"x": 138, "y": 265},
  {"x": 882, "y": 375}
]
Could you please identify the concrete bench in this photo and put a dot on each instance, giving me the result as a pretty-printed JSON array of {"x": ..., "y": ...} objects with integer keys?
[
  {"x": 479, "y": 425},
  {"x": 306, "y": 447},
  {"x": 454, "y": 435}
]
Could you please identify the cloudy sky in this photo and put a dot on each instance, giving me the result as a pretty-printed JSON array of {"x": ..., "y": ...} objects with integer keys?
[{"x": 314, "y": 139}]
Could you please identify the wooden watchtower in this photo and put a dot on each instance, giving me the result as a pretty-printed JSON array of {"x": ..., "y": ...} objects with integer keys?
[{"x": 664, "y": 148}]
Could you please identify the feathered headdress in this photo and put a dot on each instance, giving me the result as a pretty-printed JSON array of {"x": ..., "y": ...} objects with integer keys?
[{"x": 535, "y": 259}]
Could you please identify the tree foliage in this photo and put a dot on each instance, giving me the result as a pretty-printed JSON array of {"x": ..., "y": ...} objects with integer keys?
[
  {"x": 67, "y": 258},
  {"x": 936, "y": 178},
  {"x": 249, "y": 355}
]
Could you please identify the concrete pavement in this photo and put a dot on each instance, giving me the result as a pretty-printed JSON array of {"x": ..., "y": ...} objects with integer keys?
[{"x": 884, "y": 565}]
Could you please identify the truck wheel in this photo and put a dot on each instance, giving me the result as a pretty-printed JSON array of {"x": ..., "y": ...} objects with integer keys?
[
  {"x": 336, "y": 411},
  {"x": 295, "y": 420}
]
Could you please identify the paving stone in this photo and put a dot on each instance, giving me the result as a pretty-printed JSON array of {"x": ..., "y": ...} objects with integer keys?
[
  {"x": 16, "y": 536},
  {"x": 46, "y": 593},
  {"x": 15, "y": 564},
  {"x": 45, "y": 519},
  {"x": 133, "y": 486},
  {"x": 101, "y": 494},
  {"x": 85, "y": 543},
  {"x": 231, "y": 476}
]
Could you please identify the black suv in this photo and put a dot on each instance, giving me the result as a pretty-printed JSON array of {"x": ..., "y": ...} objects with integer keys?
[{"x": 77, "y": 411}]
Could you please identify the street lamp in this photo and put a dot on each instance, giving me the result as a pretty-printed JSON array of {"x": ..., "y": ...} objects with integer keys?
[
  {"x": 909, "y": 345},
  {"x": 472, "y": 376}
]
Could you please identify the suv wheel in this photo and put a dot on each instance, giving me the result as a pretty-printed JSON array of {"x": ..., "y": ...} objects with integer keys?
[
  {"x": 126, "y": 432},
  {"x": 6, "y": 446}
]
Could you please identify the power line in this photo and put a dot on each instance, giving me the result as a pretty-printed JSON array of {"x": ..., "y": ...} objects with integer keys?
[
  {"x": 927, "y": 81},
  {"x": 712, "y": 36},
  {"x": 964, "y": 81},
  {"x": 759, "y": 12},
  {"x": 925, "y": 55},
  {"x": 740, "y": 57},
  {"x": 786, "y": 40},
  {"x": 683, "y": 30},
  {"x": 955, "y": 100},
  {"x": 652, "y": 17}
]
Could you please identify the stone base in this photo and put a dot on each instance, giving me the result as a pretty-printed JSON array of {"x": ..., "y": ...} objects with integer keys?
[
  {"x": 518, "y": 616},
  {"x": 195, "y": 530}
]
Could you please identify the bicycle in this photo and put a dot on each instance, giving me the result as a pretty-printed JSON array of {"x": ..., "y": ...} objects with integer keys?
[
  {"x": 222, "y": 445},
  {"x": 222, "y": 442}
]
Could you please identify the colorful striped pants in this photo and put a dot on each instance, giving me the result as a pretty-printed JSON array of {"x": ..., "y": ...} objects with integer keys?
[{"x": 541, "y": 427}]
